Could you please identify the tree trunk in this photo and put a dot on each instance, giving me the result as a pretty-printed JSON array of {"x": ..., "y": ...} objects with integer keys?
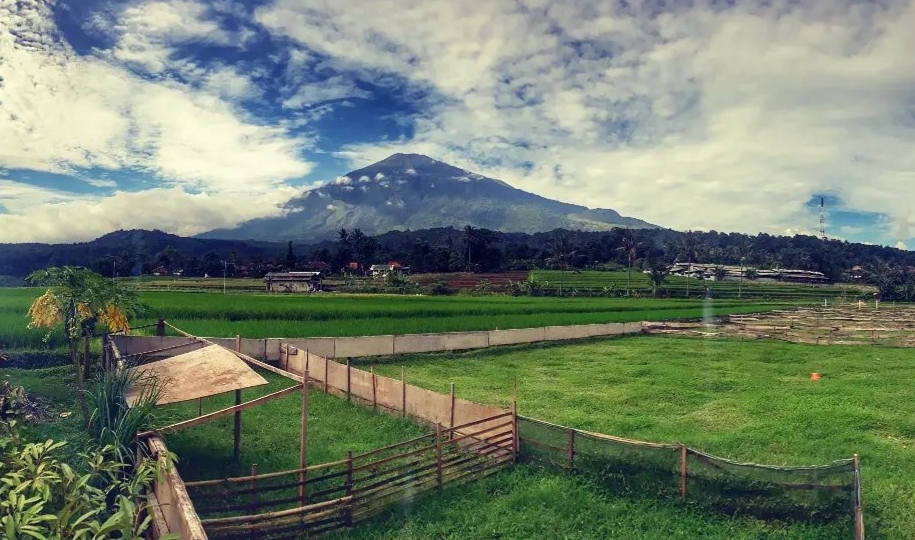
[
  {"x": 79, "y": 381},
  {"x": 86, "y": 374}
]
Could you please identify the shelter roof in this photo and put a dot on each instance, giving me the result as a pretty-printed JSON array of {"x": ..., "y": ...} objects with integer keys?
[{"x": 200, "y": 373}]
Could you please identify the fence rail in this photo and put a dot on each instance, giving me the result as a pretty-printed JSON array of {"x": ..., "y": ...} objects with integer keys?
[{"x": 341, "y": 493}]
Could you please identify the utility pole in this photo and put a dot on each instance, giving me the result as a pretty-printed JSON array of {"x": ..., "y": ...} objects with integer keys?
[{"x": 225, "y": 266}]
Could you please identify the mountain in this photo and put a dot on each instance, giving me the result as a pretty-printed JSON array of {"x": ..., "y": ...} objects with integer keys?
[{"x": 412, "y": 191}]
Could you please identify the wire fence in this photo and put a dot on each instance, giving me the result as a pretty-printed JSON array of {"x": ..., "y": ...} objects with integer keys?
[{"x": 822, "y": 493}]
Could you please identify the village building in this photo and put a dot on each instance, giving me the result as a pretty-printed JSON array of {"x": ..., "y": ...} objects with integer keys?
[
  {"x": 387, "y": 268},
  {"x": 293, "y": 281}
]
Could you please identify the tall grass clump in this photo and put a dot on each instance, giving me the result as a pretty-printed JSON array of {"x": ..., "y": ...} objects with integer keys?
[{"x": 113, "y": 422}]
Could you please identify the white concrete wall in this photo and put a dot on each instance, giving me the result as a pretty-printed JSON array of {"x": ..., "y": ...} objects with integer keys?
[
  {"x": 466, "y": 340},
  {"x": 520, "y": 335},
  {"x": 364, "y": 346},
  {"x": 418, "y": 343},
  {"x": 556, "y": 333}
]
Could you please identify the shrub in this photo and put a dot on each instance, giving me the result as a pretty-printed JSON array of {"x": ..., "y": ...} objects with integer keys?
[
  {"x": 113, "y": 423},
  {"x": 44, "y": 497}
]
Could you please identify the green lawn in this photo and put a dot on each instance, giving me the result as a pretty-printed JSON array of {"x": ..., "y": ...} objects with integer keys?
[
  {"x": 270, "y": 432},
  {"x": 750, "y": 401}
]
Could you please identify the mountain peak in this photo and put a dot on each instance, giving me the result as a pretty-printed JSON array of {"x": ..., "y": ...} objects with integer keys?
[
  {"x": 406, "y": 161},
  {"x": 413, "y": 191}
]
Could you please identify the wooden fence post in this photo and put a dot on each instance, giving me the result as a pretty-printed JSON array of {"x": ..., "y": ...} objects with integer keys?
[
  {"x": 451, "y": 420},
  {"x": 325, "y": 374},
  {"x": 347, "y": 380},
  {"x": 253, "y": 509},
  {"x": 516, "y": 439},
  {"x": 348, "y": 517},
  {"x": 859, "y": 511},
  {"x": 200, "y": 406},
  {"x": 571, "y": 450},
  {"x": 303, "y": 441},
  {"x": 403, "y": 391},
  {"x": 438, "y": 455},
  {"x": 236, "y": 439},
  {"x": 374, "y": 390},
  {"x": 237, "y": 343},
  {"x": 160, "y": 328},
  {"x": 683, "y": 471}
]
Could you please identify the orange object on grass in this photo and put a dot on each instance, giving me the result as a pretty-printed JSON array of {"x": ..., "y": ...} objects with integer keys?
[{"x": 814, "y": 376}]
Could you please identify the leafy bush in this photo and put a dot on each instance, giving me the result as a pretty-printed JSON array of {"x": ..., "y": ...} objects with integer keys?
[
  {"x": 441, "y": 288},
  {"x": 42, "y": 497}
]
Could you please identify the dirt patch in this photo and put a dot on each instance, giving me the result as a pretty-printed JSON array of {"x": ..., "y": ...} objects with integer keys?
[{"x": 15, "y": 403}]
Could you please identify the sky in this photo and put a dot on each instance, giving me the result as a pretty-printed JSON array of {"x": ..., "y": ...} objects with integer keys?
[{"x": 728, "y": 115}]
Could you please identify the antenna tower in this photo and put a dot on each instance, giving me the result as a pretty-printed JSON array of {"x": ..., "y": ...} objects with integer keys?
[{"x": 822, "y": 218}]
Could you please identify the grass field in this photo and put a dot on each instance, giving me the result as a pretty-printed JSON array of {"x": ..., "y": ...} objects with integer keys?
[
  {"x": 750, "y": 401},
  {"x": 590, "y": 282},
  {"x": 264, "y": 315}
]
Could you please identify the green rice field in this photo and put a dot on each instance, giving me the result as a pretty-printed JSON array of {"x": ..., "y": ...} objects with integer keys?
[
  {"x": 277, "y": 315},
  {"x": 614, "y": 283}
]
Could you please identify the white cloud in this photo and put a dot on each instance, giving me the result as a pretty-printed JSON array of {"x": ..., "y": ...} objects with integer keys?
[
  {"x": 342, "y": 181},
  {"x": 901, "y": 245},
  {"x": 700, "y": 118},
  {"x": 41, "y": 215},
  {"x": 61, "y": 112},
  {"x": 379, "y": 176}
]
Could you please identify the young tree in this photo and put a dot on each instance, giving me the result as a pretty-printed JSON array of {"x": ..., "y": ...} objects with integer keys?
[
  {"x": 77, "y": 299},
  {"x": 657, "y": 273},
  {"x": 630, "y": 247},
  {"x": 290, "y": 257}
]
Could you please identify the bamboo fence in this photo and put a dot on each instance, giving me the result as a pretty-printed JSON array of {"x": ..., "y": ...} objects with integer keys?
[{"x": 339, "y": 494}]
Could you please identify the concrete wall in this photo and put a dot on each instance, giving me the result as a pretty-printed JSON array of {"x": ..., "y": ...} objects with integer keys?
[
  {"x": 466, "y": 340},
  {"x": 364, "y": 346},
  {"x": 418, "y": 343},
  {"x": 171, "y": 493},
  {"x": 513, "y": 337}
]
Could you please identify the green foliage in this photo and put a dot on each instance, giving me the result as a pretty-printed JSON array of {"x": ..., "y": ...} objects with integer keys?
[
  {"x": 115, "y": 424},
  {"x": 44, "y": 498}
]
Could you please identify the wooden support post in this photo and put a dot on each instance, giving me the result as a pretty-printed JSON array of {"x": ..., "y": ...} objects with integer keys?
[
  {"x": 374, "y": 390},
  {"x": 237, "y": 343},
  {"x": 403, "y": 392},
  {"x": 683, "y": 471},
  {"x": 438, "y": 455},
  {"x": 516, "y": 449},
  {"x": 859, "y": 511},
  {"x": 571, "y": 450},
  {"x": 325, "y": 372},
  {"x": 160, "y": 328},
  {"x": 348, "y": 518},
  {"x": 253, "y": 504},
  {"x": 348, "y": 387},
  {"x": 236, "y": 446},
  {"x": 200, "y": 406},
  {"x": 451, "y": 420},
  {"x": 307, "y": 358},
  {"x": 303, "y": 441}
]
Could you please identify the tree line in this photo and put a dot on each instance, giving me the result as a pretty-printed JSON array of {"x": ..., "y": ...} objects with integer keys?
[{"x": 472, "y": 249}]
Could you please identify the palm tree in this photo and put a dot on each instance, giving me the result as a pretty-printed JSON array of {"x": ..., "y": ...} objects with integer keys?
[
  {"x": 744, "y": 251},
  {"x": 689, "y": 246},
  {"x": 630, "y": 248},
  {"x": 562, "y": 249}
]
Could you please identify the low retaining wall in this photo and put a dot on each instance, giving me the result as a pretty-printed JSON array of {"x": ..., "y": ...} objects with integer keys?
[
  {"x": 268, "y": 349},
  {"x": 174, "y": 512},
  {"x": 357, "y": 347}
]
